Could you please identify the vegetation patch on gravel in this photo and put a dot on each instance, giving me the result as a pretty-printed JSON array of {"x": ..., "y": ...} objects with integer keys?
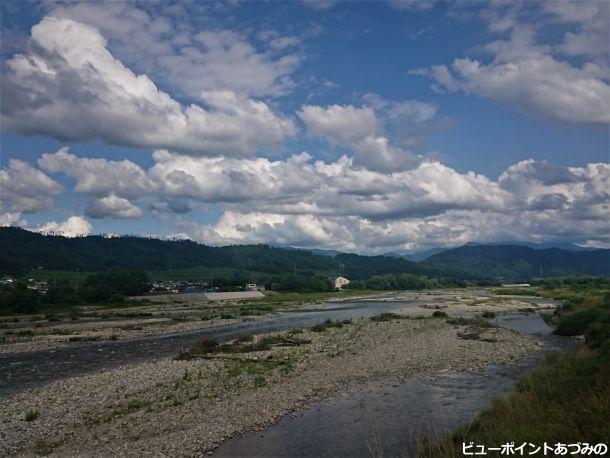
[{"x": 188, "y": 406}]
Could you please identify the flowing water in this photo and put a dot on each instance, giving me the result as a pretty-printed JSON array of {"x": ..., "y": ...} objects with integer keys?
[
  {"x": 19, "y": 371},
  {"x": 386, "y": 417}
]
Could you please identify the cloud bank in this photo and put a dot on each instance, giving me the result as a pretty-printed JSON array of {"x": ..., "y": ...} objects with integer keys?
[
  {"x": 68, "y": 86},
  {"x": 340, "y": 204}
]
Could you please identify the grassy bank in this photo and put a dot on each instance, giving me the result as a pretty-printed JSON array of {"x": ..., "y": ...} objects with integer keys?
[{"x": 565, "y": 399}]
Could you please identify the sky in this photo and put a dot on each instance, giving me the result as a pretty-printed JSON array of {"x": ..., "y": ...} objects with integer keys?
[{"x": 369, "y": 127}]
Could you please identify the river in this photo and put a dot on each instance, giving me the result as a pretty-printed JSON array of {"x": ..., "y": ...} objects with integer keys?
[
  {"x": 388, "y": 417},
  {"x": 20, "y": 371}
]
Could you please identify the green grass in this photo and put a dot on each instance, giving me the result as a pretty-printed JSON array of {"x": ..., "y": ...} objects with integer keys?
[
  {"x": 586, "y": 312},
  {"x": 565, "y": 399},
  {"x": 259, "y": 369},
  {"x": 246, "y": 343}
]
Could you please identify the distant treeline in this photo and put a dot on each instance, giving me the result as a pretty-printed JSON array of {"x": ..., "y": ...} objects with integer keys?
[
  {"x": 22, "y": 251},
  {"x": 404, "y": 282},
  {"x": 110, "y": 287}
]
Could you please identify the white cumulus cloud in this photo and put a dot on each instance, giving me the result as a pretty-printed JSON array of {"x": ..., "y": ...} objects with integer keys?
[
  {"x": 74, "y": 226},
  {"x": 112, "y": 207},
  {"x": 69, "y": 86},
  {"x": 26, "y": 189},
  {"x": 528, "y": 75}
]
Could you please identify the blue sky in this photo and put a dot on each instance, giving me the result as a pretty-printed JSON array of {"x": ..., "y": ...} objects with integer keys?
[{"x": 359, "y": 126}]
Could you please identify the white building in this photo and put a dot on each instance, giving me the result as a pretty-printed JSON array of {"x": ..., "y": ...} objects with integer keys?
[{"x": 340, "y": 282}]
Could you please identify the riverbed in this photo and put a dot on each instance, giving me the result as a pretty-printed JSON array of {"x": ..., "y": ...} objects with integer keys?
[
  {"x": 20, "y": 371},
  {"x": 389, "y": 417}
]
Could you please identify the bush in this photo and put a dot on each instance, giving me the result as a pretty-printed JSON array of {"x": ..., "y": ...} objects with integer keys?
[
  {"x": 387, "y": 316},
  {"x": 329, "y": 324},
  {"x": 32, "y": 415},
  {"x": 577, "y": 323},
  {"x": 439, "y": 314},
  {"x": 207, "y": 342},
  {"x": 488, "y": 314},
  {"x": 104, "y": 286}
]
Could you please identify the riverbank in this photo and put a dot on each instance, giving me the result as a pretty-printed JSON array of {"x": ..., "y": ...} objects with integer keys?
[
  {"x": 565, "y": 399},
  {"x": 188, "y": 407},
  {"x": 186, "y": 312}
]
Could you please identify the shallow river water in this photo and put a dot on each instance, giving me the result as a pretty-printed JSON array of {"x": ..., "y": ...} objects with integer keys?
[
  {"x": 19, "y": 371},
  {"x": 387, "y": 417}
]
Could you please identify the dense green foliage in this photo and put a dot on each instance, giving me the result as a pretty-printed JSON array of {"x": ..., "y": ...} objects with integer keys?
[
  {"x": 18, "y": 299},
  {"x": 293, "y": 283},
  {"x": 22, "y": 251},
  {"x": 108, "y": 287},
  {"x": 402, "y": 281},
  {"x": 586, "y": 309},
  {"x": 513, "y": 262},
  {"x": 115, "y": 282}
]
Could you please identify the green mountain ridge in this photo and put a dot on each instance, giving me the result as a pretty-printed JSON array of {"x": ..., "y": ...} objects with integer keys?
[
  {"x": 22, "y": 251},
  {"x": 518, "y": 262}
]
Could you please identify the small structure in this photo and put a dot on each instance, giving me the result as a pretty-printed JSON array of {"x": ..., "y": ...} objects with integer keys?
[
  {"x": 340, "y": 282},
  {"x": 251, "y": 287},
  {"x": 516, "y": 285}
]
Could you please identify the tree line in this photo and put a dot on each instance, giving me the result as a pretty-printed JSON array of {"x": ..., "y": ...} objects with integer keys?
[
  {"x": 109, "y": 287},
  {"x": 403, "y": 281}
]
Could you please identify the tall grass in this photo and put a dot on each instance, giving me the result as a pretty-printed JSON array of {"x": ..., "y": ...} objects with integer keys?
[{"x": 564, "y": 399}]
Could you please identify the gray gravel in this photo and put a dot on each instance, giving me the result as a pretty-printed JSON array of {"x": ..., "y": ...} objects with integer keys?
[{"x": 186, "y": 408}]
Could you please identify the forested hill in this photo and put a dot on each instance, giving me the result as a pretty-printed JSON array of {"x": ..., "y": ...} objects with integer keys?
[
  {"x": 515, "y": 262},
  {"x": 21, "y": 251}
]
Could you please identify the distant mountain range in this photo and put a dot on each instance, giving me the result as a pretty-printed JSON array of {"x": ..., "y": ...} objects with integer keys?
[
  {"x": 519, "y": 262},
  {"x": 425, "y": 254},
  {"x": 538, "y": 246},
  {"x": 21, "y": 251}
]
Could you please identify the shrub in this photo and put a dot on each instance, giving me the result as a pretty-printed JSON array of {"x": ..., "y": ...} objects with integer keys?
[
  {"x": 439, "y": 314},
  {"x": 387, "y": 316},
  {"x": 31, "y": 415},
  {"x": 329, "y": 324},
  {"x": 576, "y": 323},
  {"x": 207, "y": 342},
  {"x": 488, "y": 314}
]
